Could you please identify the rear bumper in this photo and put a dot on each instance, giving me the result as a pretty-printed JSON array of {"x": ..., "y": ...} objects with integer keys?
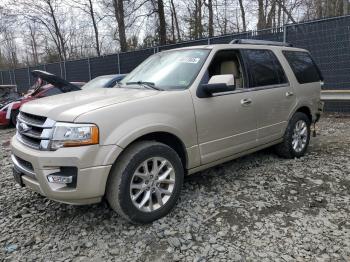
[
  {"x": 3, "y": 120},
  {"x": 89, "y": 165}
]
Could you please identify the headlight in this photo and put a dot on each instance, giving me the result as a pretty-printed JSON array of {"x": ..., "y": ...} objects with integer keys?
[{"x": 69, "y": 135}]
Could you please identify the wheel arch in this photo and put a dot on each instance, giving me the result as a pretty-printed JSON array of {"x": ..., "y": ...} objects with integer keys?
[
  {"x": 306, "y": 110},
  {"x": 165, "y": 137}
]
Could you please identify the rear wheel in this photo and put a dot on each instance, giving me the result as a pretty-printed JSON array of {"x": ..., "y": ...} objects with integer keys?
[
  {"x": 145, "y": 183},
  {"x": 296, "y": 138}
]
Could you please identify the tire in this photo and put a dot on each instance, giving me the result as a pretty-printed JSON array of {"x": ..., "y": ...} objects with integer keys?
[
  {"x": 124, "y": 182},
  {"x": 289, "y": 148},
  {"x": 13, "y": 117}
]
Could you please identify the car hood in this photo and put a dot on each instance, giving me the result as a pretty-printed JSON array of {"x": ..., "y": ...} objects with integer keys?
[
  {"x": 67, "y": 107},
  {"x": 54, "y": 80}
]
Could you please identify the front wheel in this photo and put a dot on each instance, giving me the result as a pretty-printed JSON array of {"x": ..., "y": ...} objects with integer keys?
[
  {"x": 296, "y": 138},
  {"x": 145, "y": 183}
]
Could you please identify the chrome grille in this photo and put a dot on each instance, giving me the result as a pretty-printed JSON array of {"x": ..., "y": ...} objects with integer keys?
[{"x": 34, "y": 131}]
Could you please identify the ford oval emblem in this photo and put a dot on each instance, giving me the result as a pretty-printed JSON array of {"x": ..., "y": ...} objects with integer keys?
[{"x": 23, "y": 128}]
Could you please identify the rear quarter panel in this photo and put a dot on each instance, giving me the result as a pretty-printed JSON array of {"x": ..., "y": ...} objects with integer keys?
[{"x": 306, "y": 94}]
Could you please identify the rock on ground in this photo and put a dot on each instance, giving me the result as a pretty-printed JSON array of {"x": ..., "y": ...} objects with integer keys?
[{"x": 259, "y": 207}]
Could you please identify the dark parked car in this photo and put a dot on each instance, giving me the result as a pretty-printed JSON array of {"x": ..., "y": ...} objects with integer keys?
[
  {"x": 55, "y": 85},
  {"x": 106, "y": 81}
]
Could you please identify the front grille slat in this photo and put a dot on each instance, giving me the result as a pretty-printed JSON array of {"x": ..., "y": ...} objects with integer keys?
[
  {"x": 34, "y": 134},
  {"x": 32, "y": 120},
  {"x": 33, "y": 129}
]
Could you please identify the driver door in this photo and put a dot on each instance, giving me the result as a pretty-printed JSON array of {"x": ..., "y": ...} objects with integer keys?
[{"x": 226, "y": 122}]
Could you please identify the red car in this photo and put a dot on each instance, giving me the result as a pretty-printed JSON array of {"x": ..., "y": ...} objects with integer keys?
[{"x": 55, "y": 85}]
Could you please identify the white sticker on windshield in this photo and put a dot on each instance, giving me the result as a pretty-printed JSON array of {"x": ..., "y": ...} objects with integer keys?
[{"x": 189, "y": 60}]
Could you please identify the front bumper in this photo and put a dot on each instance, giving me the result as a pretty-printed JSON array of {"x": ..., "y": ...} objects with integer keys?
[{"x": 92, "y": 164}]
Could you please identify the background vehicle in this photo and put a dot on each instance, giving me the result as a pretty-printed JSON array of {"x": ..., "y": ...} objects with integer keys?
[
  {"x": 179, "y": 112},
  {"x": 106, "y": 81},
  {"x": 56, "y": 85},
  {"x": 8, "y": 93}
]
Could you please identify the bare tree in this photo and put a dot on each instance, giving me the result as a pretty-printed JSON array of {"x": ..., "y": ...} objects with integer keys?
[
  {"x": 120, "y": 17},
  {"x": 88, "y": 7},
  {"x": 33, "y": 42},
  {"x": 44, "y": 12},
  {"x": 176, "y": 21},
  {"x": 241, "y": 6},
  {"x": 162, "y": 23},
  {"x": 282, "y": 5},
  {"x": 209, "y": 5},
  {"x": 345, "y": 7}
]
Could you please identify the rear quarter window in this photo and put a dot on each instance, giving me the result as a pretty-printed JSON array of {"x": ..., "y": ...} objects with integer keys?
[{"x": 303, "y": 66}]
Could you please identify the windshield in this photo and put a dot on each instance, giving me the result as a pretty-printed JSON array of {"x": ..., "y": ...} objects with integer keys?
[
  {"x": 100, "y": 81},
  {"x": 169, "y": 70}
]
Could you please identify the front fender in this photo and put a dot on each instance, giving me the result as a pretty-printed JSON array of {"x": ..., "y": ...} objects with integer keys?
[
  {"x": 136, "y": 127},
  {"x": 123, "y": 123}
]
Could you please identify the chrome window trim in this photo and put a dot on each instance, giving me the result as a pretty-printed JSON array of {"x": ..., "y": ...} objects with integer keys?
[{"x": 252, "y": 89}]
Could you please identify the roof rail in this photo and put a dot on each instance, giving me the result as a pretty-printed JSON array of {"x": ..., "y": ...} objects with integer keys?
[{"x": 259, "y": 42}]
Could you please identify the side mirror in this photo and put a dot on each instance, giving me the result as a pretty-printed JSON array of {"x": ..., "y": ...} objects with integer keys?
[{"x": 219, "y": 84}]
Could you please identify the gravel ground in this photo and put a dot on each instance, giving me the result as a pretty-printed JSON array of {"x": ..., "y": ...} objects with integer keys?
[{"x": 259, "y": 207}]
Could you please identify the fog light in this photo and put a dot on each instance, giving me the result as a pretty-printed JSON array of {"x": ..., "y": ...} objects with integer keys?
[{"x": 60, "y": 179}]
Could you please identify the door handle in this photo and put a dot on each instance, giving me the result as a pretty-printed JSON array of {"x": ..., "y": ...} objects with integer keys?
[
  {"x": 246, "y": 101},
  {"x": 289, "y": 93}
]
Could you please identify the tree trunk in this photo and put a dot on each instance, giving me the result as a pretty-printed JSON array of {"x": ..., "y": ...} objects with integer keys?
[
  {"x": 34, "y": 45},
  {"x": 211, "y": 18},
  {"x": 319, "y": 9},
  {"x": 119, "y": 15},
  {"x": 328, "y": 8},
  {"x": 162, "y": 24},
  {"x": 62, "y": 50},
  {"x": 241, "y": 6},
  {"x": 198, "y": 19},
  {"x": 176, "y": 21},
  {"x": 279, "y": 16},
  {"x": 285, "y": 10},
  {"x": 225, "y": 17},
  {"x": 345, "y": 7},
  {"x": 261, "y": 15},
  {"x": 172, "y": 26},
  {"x": 271, "y": 14},
  {"x": 92, "y": 14}
]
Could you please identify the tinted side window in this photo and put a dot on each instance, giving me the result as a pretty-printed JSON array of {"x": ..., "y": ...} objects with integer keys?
[
  {"x": 53, "y": 91},
  {"x": 303, "y": 66},
  {"x": 264, "y": 68}
]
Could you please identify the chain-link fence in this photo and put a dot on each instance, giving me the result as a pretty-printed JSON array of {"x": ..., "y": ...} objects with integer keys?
[{"x": 328, "y": 40}]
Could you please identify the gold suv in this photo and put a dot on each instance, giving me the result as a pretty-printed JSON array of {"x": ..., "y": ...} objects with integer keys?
[{"x": 179, "y": 112}]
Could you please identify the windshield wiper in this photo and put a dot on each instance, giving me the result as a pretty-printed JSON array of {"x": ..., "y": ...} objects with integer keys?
[{"x": 149, "y": 85}]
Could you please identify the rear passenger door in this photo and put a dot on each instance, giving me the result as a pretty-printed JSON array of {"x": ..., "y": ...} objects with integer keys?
[{"x": 274, "y": 96}]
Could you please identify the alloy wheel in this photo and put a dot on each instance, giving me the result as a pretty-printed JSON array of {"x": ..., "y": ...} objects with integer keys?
[
  {"x": 300, "y": 135},
  {"x": 152, "y": 184}
]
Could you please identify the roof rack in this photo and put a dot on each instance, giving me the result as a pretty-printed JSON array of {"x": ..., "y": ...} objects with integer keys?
[{"x": 259, "y": 42}]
